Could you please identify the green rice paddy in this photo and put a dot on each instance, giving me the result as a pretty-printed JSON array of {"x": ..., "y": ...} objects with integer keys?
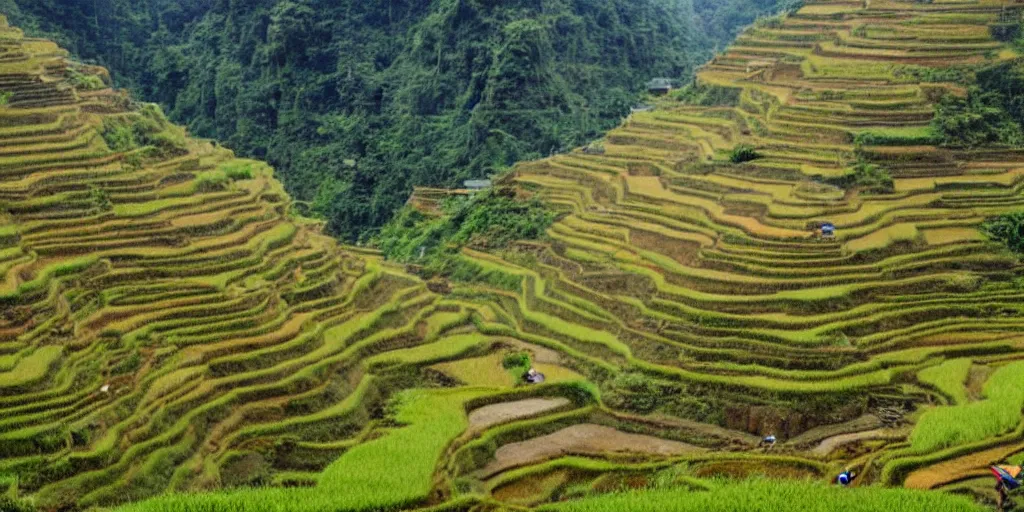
[{"x": 769, "y": 496}]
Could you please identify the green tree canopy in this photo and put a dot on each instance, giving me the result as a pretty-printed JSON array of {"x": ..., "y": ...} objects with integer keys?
[{"x": 415, "y": 92}]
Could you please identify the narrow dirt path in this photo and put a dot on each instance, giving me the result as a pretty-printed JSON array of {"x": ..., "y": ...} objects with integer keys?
[
  {"x": 816, "y": 436},
  {"x": 701, "y": 429},
  {"x": 490, "y": 415},
  {"x": 540, "y": 354},
  {"x": 584, "y": 439},
  {"x": 827, "y": 445}
]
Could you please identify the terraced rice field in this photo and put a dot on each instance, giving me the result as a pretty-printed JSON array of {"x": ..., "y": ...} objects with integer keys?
[{"x": 172, "y": 331}]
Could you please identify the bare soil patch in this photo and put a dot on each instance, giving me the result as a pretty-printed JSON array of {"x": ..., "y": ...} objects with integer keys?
[
  {"x": 495, "y": 414},
  {"x": 529, "y": 491},
  {"x": 823, "y": 433},
  {"x": 584, "y": 439},
  {"x": 684, "y": 252},
  {"x": 829, "y": 445},
  {"x": 952, "y": 235},
  {"x": 540, "y": 354}
]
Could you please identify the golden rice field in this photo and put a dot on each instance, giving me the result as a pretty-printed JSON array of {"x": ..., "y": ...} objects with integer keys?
[{"x": 174, "y": 336}]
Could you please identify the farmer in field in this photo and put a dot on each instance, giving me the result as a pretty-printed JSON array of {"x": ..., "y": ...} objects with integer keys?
[
  {"x": 768, "y": 442},
  {"x": 1006, "y": 481},
  {"x": 534, "y": 377},
  {"x": 845, "y": 478}
]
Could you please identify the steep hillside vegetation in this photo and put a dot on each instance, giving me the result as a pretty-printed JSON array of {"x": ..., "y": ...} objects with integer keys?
[
  {"x": 154, "y": 287},
  {"x": 170, "y": 325},
  {"x": 700, "y": 222},
  {"x": 355, "y": 102}
]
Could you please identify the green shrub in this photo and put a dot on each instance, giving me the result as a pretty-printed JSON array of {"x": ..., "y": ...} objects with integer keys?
[
  {"x": 99, "y": 197},
  {"x": 911, "y": 73},
  {"x": 978, "y": 120},
  {"x": 490, "y": 220},
  {"x": 872, "y": 178},
  {"x": 128, "y": 365},
  {"x": 1007, "y": 229},
  {"x": 5, "y": 97},
  {"x": 516, "y": 360},
  {"x": 913, "y": 136},
  {"x": 743, "y": 153},
  {"x": 9, "y": 504},
  {"x": 119, "y": 135},
  {"x": 709, "y": 95},
  {"x": 237, "y": 170},
  {"x": 8, "y": 486},
  {"x": 211, "y": 182},
  {"x": 1005, "y": 81},
  {"x": 1005, "y": 32},
  {"x": 147, "y": 127},
  {"x": 831, "y": 95},
  {"x": 517, "y": 363},
  {"x": 868, "y": 177},
  {"x": 84, "y": 81},
  {"x": 638, "y": 392}
]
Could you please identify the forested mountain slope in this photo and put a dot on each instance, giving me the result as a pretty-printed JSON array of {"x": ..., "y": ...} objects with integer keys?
[{"x": 354, "y": 102}]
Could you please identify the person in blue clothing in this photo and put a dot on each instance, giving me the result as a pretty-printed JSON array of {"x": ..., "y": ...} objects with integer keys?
[
  {"x": 768, "y": 442},
  {"x": 1006, "y": 481},
  {"x": 845, "y": 478}
]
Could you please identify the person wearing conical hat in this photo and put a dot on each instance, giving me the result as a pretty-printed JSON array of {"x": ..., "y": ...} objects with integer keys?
[{"x": 1006, "y": 481}]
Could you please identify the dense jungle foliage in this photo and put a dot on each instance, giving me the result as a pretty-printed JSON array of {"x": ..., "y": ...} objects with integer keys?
[
  {"x": 992, "y": 112},
  {"x": 355, "y": 102},
  {"x": 978, "y": 120},
  {"x": 720, "y": 21},
  {"x": 487, "y": 221},
  {"x": 1008, "y": 229}
]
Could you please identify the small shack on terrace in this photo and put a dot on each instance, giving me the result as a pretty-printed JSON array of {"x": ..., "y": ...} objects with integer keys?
[
  {"x": 659, "y": 86},
  {"x": 757, "y": 65},
  {"x": 594, "y": 148},
  {"x": 476, "y": 185}
]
